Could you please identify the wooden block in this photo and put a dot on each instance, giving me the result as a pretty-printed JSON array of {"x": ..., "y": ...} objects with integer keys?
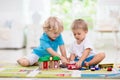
[{"x": 105, "y": 65}]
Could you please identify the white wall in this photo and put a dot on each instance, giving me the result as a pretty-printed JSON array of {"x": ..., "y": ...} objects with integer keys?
[
  {"x": 11, "y": 10},
  {"x": 109, "y": 2},
  {"x": 20, "y": 15},
  {"x": 36, "y": 11},
  {"x": 104, "y": 8},
  {"x": 22, "y": 11}
]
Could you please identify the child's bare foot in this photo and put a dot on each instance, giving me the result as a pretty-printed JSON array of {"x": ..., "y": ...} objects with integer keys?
[
  {"x": 87, "y": 63},
  {"x": 23, "y": 62},
  {"x": 35, "y": 64}
]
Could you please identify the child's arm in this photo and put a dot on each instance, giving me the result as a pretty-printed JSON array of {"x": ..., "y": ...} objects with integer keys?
[
  {"x": 53, "y": 53},
  {"x": 72, "y": 57},
  {"x": 83, "y": 57},
  {"x": 63, "y": 51}
]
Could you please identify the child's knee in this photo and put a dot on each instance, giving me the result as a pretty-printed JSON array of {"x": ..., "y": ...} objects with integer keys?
[
  {"x": 102, "y": 54},
  {"x": 23, "y": 62}
]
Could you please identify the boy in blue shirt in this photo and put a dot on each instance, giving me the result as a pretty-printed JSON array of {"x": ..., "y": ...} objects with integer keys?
[{"x": 49, "y": 43}]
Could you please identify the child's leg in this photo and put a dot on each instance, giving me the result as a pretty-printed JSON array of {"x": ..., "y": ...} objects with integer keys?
[
  {"x": 96, "y": 59},
  {"x": 72, "y": 57},
  {"x": 29, "y": 60},
  {"x": 23, "y": 62}
]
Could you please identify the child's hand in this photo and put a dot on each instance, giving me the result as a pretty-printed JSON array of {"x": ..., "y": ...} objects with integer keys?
[
  {"x": 64, "y": 60},
  {"x": 78, "y": 64},
  {"x": 69, "y": 60}
]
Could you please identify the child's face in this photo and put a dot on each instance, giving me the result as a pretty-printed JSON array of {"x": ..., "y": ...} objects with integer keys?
[
  {"x": 53, "y": 35},
  {"x": 79, "y": 35}
]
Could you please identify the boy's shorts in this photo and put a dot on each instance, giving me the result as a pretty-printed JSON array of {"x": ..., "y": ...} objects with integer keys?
[
  {"x": 86, "y": 60},
  {"x": 33, "y": 58}
]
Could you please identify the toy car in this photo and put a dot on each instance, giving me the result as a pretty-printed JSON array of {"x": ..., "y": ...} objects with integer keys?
[{"x": 72, "y": 66}]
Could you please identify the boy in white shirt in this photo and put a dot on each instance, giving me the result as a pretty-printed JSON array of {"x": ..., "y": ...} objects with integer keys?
[{"x": 82, "y": 51}]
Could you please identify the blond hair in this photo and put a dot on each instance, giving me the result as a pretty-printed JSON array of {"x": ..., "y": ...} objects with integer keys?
[
  {"x": 79, "y": 24},
  {"x": 53, "y": 24}
]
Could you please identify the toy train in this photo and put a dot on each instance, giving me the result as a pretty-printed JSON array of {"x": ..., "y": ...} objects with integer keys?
[{"x": 100, "y": 66}]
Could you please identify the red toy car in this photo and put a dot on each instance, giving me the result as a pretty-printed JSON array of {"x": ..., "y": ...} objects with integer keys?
[{"x": 72, "y": 66}]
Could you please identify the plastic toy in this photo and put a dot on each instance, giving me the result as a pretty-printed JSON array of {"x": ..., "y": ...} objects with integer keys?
[
  {"x": 72, "y": 66},
  {"x": 92, "y": 69},
  {"x": 83, "y": 68},
  {"x": 109, "y": 69}
]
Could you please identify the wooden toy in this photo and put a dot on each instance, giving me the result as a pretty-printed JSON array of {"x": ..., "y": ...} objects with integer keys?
[
  {"x": 56, "y": 62},
  {"x": 105, "y": 65},
  {"x": 49, "y": 62}
]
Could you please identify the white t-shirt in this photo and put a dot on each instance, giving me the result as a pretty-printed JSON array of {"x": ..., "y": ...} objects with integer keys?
[{"x": 78, "y": 49}]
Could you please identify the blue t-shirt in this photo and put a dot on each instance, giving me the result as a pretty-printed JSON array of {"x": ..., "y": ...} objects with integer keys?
[{"x": 46, "y": 42}]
